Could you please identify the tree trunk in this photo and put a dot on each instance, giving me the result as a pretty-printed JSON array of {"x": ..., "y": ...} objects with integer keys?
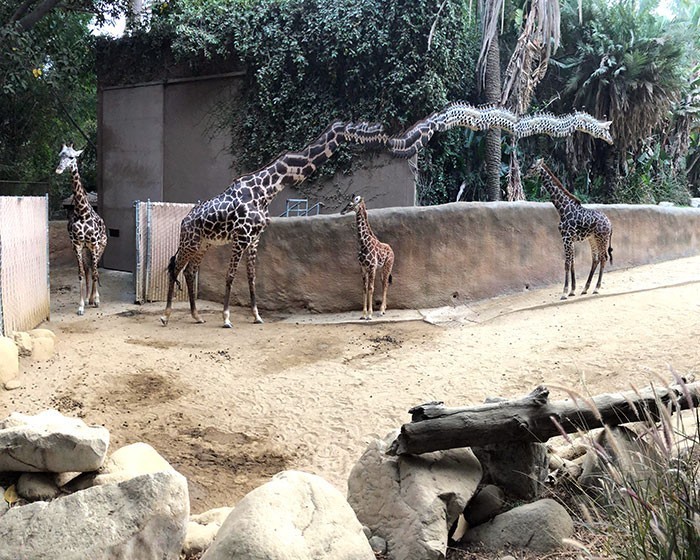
[
  {"x": 492, "y": 94},
  {"x": 533, "y": 418}
]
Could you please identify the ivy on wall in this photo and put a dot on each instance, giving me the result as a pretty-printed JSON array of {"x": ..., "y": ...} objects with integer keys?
[{"x": 309, "y": 62}]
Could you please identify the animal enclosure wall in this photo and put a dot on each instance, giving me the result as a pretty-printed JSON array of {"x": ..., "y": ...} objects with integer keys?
[
  {"x": 445, "y": 255},
  {"x": 24, "y": 262},
  {"x": 157, "y": 237}
]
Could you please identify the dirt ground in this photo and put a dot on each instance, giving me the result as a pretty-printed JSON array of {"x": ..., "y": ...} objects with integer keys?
[{"x": 230, "y": 408}]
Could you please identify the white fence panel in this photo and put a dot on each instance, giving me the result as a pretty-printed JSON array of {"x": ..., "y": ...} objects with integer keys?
[
  {"x": 157, "y": 238},
  {"x": 24, "y": 262}
]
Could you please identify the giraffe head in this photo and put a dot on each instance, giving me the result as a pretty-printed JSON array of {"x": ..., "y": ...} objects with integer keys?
[
  {"x": 353, "y": 205},
  {"x": 67, "y": 158}
]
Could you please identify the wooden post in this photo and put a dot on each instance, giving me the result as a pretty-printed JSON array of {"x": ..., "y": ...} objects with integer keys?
[{"x": 533, "y": 418}]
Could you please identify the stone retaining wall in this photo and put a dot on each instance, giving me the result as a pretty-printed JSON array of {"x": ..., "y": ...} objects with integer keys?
[{"x": 445, "y": 255}]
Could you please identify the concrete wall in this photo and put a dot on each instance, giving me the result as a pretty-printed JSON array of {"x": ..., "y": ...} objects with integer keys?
[
  {"x": 445, "y": 255},
  {"x": 159, "y": 141}
]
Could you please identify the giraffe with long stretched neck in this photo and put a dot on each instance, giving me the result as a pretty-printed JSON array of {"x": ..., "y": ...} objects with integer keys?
[
  {"x": 240, "y": 214},
  {"x": 577, "y": 223},
  {"x": 372, "y": 254},
  {"x": 86, "y": 229}
]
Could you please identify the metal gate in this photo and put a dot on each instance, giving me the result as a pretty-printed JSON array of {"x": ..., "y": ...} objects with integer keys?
[
  {"x": 157, "y": 238},
  {"x": 24, "y": 262}
]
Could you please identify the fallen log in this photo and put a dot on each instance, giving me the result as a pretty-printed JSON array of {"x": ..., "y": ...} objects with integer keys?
[{"x": 534, "y": 418}]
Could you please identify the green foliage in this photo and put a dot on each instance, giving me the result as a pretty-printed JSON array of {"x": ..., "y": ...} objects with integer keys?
[{"x": 310, "y": 62}]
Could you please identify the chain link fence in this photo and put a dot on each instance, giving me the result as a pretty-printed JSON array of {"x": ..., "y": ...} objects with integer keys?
[
  {"x": 157, "y": 238},
  {"x": 24, "y": 262}
]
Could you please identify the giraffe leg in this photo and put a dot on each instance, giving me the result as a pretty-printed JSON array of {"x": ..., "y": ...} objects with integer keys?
[
  {"x": 252, "y": 255},
  {"x": 568, "y": 267},
  {"x": 365, "y": 280},
  {"x": 177, "y": 263},
  {"x": 386, "y": 274},
  {"x": 594, "y": 265},
  {"x": 370, "y": 291},
  {"x": 81, "y": 277},
  {"x": 230, "y": 276},
  {"x": 96, "y": 256},
  {"x": 190, "y": 275}
]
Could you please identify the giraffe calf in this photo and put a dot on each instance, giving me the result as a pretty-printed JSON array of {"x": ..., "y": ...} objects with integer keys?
[{"x": 372, "y": 254}]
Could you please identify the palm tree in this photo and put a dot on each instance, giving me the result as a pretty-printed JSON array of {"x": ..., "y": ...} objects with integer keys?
[{"x": 538, "y": 40}]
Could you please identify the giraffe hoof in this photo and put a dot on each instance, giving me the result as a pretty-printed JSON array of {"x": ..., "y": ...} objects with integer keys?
[
  {"x": 81, "y": 311},
  {"x": 258, "y": 321},
  {"x": 595, "y": 291},
  {"x": 228, "y": 325},
  {"x": 164, "y": 321},
  {"x": 584, "y": 292},
  {"x": 563, "y": 297}
]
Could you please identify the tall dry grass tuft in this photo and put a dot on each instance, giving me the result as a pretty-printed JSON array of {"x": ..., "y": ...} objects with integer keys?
[{"x": 646, "y": 492}]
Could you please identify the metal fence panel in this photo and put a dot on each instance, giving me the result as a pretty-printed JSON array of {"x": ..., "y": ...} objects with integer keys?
[
  {"x": 24, "y": 262},
  {"x": 157, "y": 238}
]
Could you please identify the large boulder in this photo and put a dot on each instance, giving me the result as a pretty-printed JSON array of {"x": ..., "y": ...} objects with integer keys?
[
  {"x": 202, "y": 529},
  {"x": 412, "y": 501},
  {"x": 9, "y": 360},
  {"x": 50, "y": 442},
  {"x": 144, "y": 518},
  {"x": 43, "y": 344},
  {"x": 540, "y": 527},
  {"x": 295, "y": 516}
]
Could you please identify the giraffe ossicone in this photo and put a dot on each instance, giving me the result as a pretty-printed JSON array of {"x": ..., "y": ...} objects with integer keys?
[
  {"x": 372, "y": 254},
  {"x": 577, "y": 223},
  {"x": 86, "y": 229},
  {"x": 239, "y": 215}
]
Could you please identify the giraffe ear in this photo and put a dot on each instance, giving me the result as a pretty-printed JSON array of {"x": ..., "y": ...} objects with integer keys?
[{"x": 79, "y": 152}]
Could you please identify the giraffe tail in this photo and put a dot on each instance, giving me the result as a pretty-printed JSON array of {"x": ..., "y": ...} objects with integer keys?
[
  {"x": 171, "y": 271},
  {"x": 610, "y": 249},
  {"x": 391, "y": 278}
]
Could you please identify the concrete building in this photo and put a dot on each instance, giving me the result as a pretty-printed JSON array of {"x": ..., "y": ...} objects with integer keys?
[{"x": 158, "y": 140}]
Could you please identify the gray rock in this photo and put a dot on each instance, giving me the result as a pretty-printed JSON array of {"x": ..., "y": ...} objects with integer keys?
[
  {"x": 412, "y": 501},
  {"x": 143, "y": 518},
  {"x": 378, "y": 544},
  {"x": 621, "y": 450},
  {"x": 539, "y": 526},
  {"x": 13, "y": 384},
  {"x": 487, "y": 503},
  {"x": 50, "y": 442},
  {"x": 202, "y": 529},
  {"x": 295, "y": 516},
  {"x": 34, "y": 487},
  {"x": 24, "y": 343}
]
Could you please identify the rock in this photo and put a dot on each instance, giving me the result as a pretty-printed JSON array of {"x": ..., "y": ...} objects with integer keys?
[
  {"x": 9, "y": 359},
  {"x": 125, "y": 463},
  {"x": 43, "y": 344},
  {"x": 13, "y": 384},
  {"x": 50, "y": 442},
  {"x": 24, "y": 343},
  {"x": 34, "y": 487},
  {"x": 625, "y": 452},
  {"x": 143, "y": 518},
  {"x": 412, "y": 501},
  {"x": 295, "y": 516},
  {"x": 695, "y": 202},
  {"x": 378, "y": 544},
  {"x": 202, "y": 529},
  {"x": 518, "y": 468},
  {"x": 485, "y": 505},
  {"x": 539, "y": 527}
]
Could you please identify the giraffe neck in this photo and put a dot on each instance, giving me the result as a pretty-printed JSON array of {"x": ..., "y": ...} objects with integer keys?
[
  {"x": 562, "y": 199},
  {"x": 364, "y": 232},
  {"x": 81, "y": 204},
  {"x": 292, "y": 168}
]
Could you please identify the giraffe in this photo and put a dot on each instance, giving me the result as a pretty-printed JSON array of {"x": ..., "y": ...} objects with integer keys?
[
  {"x": 372, "y": 254},
  {"x": 86, "y": 230},
  {"x": 577, "y": 223},
  {"x": 239, "y": 215}
]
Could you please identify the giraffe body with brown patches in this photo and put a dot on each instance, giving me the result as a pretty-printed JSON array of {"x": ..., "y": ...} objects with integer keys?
[
  {"x": 577, "y": 223},
  {"x": 373, "y": 255},
  {"x": 240, "y": 214},
  {"x": 86, "y": 229}
]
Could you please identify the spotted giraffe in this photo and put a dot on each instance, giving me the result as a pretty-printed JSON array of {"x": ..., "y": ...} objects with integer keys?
[
  {"x": 86, "y": 230},
  {"x": 240, "y": 214},
  {"x": 577, "y": 223},
  {"x": 373, "y": 254}
]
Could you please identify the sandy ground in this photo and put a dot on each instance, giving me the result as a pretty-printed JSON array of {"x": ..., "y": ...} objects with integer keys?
[{"x": 230, "y": 408}]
